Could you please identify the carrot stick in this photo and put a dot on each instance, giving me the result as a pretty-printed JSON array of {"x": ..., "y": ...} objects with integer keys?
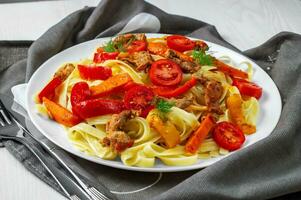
[
  {"x": 110, "y": 84},
  {"x": 61, "y": 114},
  {"x": 196, "y": 139}
]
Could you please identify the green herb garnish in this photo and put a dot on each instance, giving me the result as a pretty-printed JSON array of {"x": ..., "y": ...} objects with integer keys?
[
  {"x": 202, "y": 58},
  {"x": 164, "y": 106},
  {"x": 109, "y": 47},
  {"x": 120, "y": 47}
]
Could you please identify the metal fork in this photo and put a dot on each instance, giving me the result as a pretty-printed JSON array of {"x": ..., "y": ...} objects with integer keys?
[{"x": 10, "y": 129}]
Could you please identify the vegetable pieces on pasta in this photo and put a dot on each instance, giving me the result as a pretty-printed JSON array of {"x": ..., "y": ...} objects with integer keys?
[
  {"x": 234, "y": 104},
  {"x": 110, "y": 84},
  {"x": 61, "y": 114},
  {"x": 199, "y": 135}
]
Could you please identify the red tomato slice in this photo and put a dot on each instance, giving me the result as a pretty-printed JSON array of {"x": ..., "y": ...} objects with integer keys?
[
  {"x": 138, "y": 98},
  {"x": 228, "y": 136},
  {"x": 180, "y": 43},
  {"x": 247, "y": 88},
  {"x": 165, "y": 73},
  {"x": 138, "y": 45}
]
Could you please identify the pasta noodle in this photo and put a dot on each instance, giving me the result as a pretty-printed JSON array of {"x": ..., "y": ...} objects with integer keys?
[{"x": 149, "y": 144}]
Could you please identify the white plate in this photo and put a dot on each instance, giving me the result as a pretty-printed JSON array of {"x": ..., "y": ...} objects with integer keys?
[{"x": 270, "y": 104}]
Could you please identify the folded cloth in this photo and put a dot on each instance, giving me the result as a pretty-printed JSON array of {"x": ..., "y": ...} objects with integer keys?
[{"x": 267, "y": 169}]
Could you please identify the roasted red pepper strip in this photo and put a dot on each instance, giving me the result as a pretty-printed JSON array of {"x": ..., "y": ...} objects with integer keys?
[
  {"x": 94, "y": 73},
  {"x": 230, "y": 70},
  {"x": 162, "y": 91},
  {"x": 247, "y": 88},
  {"x": 80, "y": 92},
  {"x": 49, "y": 90},
  {"x": 61, "y": 114},
  {"x": 103, "y": 56},
  {"x": 96, "y": 107}
]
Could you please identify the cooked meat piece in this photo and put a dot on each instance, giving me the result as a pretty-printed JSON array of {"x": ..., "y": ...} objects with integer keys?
[
  {"x": 141, "y": 60},
  {"x": 118, "y": 141},
  {"x": 124, "y": 39},
  {"x": 213, "y": 93},
  {"x": 140, "y": 36},
  {"x": 64, "y": 71},
  {"x": 200, "y": 45},
  {"x": 189, "y": 66},
  {"x": 118, "y": 121},
  {"x": 183, "y": 103},
  {"x": 186, "y": 66}
]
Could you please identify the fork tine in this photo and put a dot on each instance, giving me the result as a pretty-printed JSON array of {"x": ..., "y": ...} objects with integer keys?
[
  {"x": 5, "y": 117},
  {"x": 74, "y": 197},
  {"x": 97, "y": 194},
  {"x": 1, "y": 122}
]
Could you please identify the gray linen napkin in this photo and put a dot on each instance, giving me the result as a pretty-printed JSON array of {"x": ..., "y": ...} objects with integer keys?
[{"x": 267, "y": 169}]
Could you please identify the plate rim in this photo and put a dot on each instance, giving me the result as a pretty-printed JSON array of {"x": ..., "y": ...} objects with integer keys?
[{"x": 120, "y": 165}]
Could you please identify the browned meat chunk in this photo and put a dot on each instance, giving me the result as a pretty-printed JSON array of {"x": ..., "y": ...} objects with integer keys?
[
  {"x": 64, "y": 71},
  {"x": 185, "y": 65},
  {"x": 141, "y": 60},
  {"x": 117, "y": 139},
  {"x": 118, "y": 121},
  {"x": 183, "y": 103},
  {"x": 124, "y": 39},
  {"x": 213, "y": 93},
  {"x": 200, "y": 45}
]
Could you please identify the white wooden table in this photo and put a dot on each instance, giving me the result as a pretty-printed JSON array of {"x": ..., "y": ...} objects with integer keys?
[{"x": 245, "y": 24}]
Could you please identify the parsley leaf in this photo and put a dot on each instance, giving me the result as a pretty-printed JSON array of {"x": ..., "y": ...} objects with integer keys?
[
  {"x": 109, "y": 47},
  {"x": 202, "y": 58},
  {"x": 164, "y": 106}
]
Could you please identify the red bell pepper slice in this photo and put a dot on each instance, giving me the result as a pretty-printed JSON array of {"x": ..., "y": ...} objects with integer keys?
[
  {"x": 247, "y": 88},
  {"x": 49, "y": 90},
  {"x": 96, "y": 107},
  {"x": 231, "y": 71},
  {"x": 80, "y": 92},
  {"x": 166, "y": 92},
  {"x": 103, "y": 56},
  {"x": 94, "y": 73}
]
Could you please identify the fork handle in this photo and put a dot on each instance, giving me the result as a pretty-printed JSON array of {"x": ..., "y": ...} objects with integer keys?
[{"x": 69, "y": 187}]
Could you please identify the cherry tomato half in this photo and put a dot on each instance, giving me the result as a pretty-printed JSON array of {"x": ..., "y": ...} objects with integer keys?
[
  {"x": 138, "y": 45},
  {"x": 138, "y": 98},
  {"x": 180, "y": 43},
  {"x": 228, "y": 136},
  {"x": 247, "y": 88},
  {"x": 165, "y": 72}
]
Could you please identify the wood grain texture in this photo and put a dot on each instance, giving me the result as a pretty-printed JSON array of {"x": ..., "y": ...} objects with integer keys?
[{"x": 243, "y": 23}]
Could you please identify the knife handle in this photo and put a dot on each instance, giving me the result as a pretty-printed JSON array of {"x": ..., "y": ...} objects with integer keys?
[{"x": 69, "y": 187}]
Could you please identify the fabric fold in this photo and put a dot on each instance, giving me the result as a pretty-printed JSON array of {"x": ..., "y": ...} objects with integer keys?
[{"x": 267, "y": 169}]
